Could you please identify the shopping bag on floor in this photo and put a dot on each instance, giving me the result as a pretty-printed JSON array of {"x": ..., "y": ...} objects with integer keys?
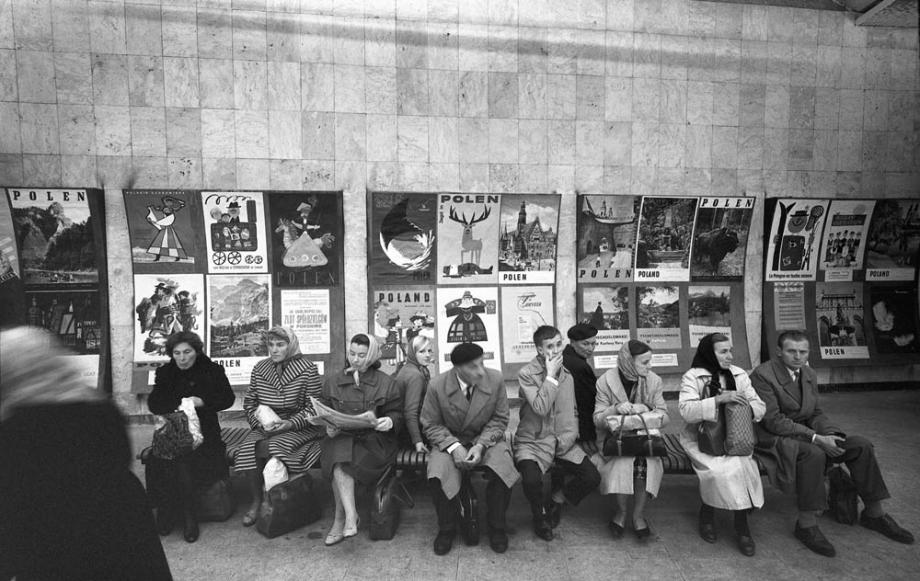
[{"x": 288, "y": 506}]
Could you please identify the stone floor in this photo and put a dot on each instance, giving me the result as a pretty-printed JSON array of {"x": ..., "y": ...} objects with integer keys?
[{"x": 583, "y": 548}]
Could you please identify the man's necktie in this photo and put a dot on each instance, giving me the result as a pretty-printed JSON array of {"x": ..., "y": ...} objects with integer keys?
[{"x": 469, "y": 393}]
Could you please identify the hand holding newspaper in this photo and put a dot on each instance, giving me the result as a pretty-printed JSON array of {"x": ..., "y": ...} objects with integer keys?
[{"x": 326, "y": 416}]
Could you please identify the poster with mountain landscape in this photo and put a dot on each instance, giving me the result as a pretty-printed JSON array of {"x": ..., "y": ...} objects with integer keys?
[
  {"x": 658, "y": 316},
  {"x": 239, "y": 310}
]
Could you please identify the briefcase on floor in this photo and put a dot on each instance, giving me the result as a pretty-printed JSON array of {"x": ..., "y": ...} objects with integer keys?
[{"x": 288, "y": 506}]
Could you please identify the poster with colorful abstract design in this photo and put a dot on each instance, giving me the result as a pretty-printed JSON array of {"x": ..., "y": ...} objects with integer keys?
[
  {"x": 234, "y": 230},
  {"x": 607, "y": 229},
  {"x": 468, "y": 315},
  {"x": 402, "y": 237},
  {"x": 893, "y": 248},
  {"x": 165, "y": 304},
  {"x": 468, "y": 233},
  {"x": 720, "y": 236},
  {"x": 527, "y": 247},
  {"x": 663, "y": 247},
  {"x": 398, "y": 315},
  {"x": 164, "y": 227},
  {"x": 306, "y": 232},
  {"x": 843, "y": 243},
  {"x": 794, "y": 239},
  {"x": 522, "y": 311}
]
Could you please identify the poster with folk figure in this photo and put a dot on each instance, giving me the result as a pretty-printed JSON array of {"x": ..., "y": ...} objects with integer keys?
[
  {"x": 234, "y": 229},
  {"x": 402, "y": 237},
  {"x": 607, "y": 229},
  {"x": 843, "y": 244},
  {"x": 527, "y": 247},
  {"x": 398, "y": 315},
  {"x": 468, "y": 232},
  {"x": 165, "y": 304},
  {"x": 306, "y": 238},
  {"x": 164, "y": 227},
  {"x": 468, "y": 315}
]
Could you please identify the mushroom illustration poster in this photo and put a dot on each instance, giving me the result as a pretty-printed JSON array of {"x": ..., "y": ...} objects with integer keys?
[
  {"x": 468, "y": 231},
  {"x": 894, "y": 240},
  {"x": 306, "y": 312},
  {"x": 165, "y": 304},
  {"x": 663, "y": 247},
  {"x": 894, "y": 319},
  {"x": 527, "y": 247},
  {"x": 607, "y": 227},
  {"x": 844, "y": 240},
  {"x": 720, "y": 236},
  {"x": 239, "y": 310},
  {"x": 234, "y": 228},
  {"x": 55, "y": 236},
  {"x": 794, "y": 236},
  {"x": 606, "y": 308},
  {"x": 523, "y": 310},
  {"x": 398, "y": 316},
  {"x": 708, "y": 311},
  {"x": 402, "y": 237},
  {"x": 840, "y": 313},
  {"x": 468, "y": 315},
  {"x": 658, "y": 316},
  {"x": 164, "y": 229},
  {"x": 306, "y": 238}
]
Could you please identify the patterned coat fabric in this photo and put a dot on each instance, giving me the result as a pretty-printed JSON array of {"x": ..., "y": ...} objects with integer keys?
[
  {"x": 617, "y": 473},
  {"x": 448, "y": 417},
  {"x": 548, "y": 427},
  {"x": 369, "y": 452},
  {"x": 727, "y": 482},
  {"x": 289, "y": 396}
]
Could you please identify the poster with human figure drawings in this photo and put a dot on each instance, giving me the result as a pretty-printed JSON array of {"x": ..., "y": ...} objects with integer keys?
[
  {"x": 164, "y": 227},
  {"x": 468, "y": 233},
  {"x": 305, "y": 229},
  {"x": 468, "y": 315},
  {"x": 843, "y": 244},
  {"x": 165, "y": 304},
  {"x": 527, "y": 247},
  {"x": 234, "y": 229}
]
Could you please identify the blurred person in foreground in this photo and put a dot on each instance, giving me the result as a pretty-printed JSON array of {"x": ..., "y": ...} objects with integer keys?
[{"x": 71, "y": 507}]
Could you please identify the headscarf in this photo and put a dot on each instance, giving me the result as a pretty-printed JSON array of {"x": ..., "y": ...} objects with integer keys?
[
  {"x": 705, "y": 358},
  {"x": 36, "y": 370},
  {"x": 626, "y": 365},
  {"x": 412, "y": 354},
  {"x": 373, "y": 355},
  {"x": 287, "y": 334}
]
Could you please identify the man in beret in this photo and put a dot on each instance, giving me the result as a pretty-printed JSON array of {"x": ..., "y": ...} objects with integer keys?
[
  {"x": 582, "y": 341},
  {"x": 464, "y": 417}
]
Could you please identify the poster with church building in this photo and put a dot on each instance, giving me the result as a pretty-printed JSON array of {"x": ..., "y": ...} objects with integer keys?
[
  {"x": 606, "y": 227},
  {"x": 527, "y": 247}
]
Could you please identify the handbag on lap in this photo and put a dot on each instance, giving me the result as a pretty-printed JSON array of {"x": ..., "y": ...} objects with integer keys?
[
  {"x": 637, "y": 443},
  {"x": 172, "y": 437},
  {"x": 732, "y": 434},
  {"x": 288, "y": 506}
]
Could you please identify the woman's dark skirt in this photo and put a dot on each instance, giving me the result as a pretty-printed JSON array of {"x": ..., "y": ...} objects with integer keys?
[{"x": 368, "y": 452}]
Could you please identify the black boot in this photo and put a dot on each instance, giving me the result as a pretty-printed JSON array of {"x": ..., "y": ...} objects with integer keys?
[
  {"x": 190, "y": 531},
  {"x": 166, "y": 520},
  {"x": 708, "y": 523},
  {"x": 743, "y": 534}
]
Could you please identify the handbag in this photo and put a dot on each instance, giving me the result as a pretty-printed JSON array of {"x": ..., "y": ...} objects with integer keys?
[
  {"x": 842, "y": 496},
  {"x": 288, "y": 506},
  {"x": 385, "y": 510},
  {"x": 635, "y": 443},
  {"x": 172, "y": 439},
  {"x": 739, "y": 429}
]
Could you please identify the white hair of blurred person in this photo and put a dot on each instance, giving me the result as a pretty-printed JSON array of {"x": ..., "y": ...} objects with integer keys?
[{"x": 35, "y": 369}]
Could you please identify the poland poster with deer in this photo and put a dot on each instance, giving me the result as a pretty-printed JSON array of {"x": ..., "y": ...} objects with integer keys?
[
  {"x": 468, "y": 232},
  {"x": 527, "y": 246},
  {"x": 468, "y": 315},
  {"x": 234, "y": 230},
  {"x": 401, "y": 244},
  {"x": 305, "y": 229}
]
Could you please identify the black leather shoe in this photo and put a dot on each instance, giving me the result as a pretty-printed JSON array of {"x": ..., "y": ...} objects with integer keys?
[
  {"x": 707, "y": 530},
  {"x": 498, "y": 540},
  {"x": 554, "y": 513},
  {"x": 643, "y": 534},
  {"x": 746, "y": 545},
  {"x": 190, "y": 531},
  {"x": 166, "y": 520},
  {"x": 542, "y": 528},
  {"x": 885, "y": 524},
  {"x": 444, "y": 542},
  {"x": 615, "y": 529},
  {"x": 814, "y": 539}
]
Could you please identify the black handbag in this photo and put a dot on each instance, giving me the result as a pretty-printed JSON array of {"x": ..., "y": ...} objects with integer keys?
[
  {"x": 288, "y": 506},
  {"x": 634, "y": 444},
  {"x": 385, "y": 509},
  {"x": 732, "y": 434},
  {"x": 173, "y": 439},
  {"x": 842, "y": 498}
]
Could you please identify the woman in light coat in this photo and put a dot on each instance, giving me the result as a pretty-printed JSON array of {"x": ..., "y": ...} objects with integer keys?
[
  {"x": 726, "y": 482},
  {"x": 631, "y": 388}
]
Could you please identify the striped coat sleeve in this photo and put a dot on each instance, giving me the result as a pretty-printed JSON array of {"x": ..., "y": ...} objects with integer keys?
[
  {"x": 314, "y": 388},
  {"x": 251, "y": 402}
]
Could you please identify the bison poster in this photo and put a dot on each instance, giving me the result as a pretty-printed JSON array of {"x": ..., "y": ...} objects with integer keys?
[
  {"x": 399, "y": 315},
  {"x": 720, "y": 238},
  {"x": 523, "y": 310},
  {"x": 894, "y": 240},
  {"x": 794, "y": 239},
  {"x": 607, "y": 227},
  {"x": 663, "y": 247},
  {"x": 468, "y": 315},
  {"x": 840, "y": 316},
  {"x": 527, "y": 247},
  {"x": 402, "y": 237},
  {"x": 306, "y": 238},
  {"x": 234, "y": 229},
  {"x": 468, "y": 231},
  {"x": 239, "y": 310},
  {"x": 844, "y": 240},
  {"x": 164, "y": 227}
]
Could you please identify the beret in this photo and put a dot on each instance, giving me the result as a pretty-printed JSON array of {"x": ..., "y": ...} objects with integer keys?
[
  {"x": 464, "y": 353},
  {"x": 581, "y": 331}
]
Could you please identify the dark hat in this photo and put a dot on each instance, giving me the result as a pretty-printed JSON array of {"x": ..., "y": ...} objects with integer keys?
[
  {"x": 233, "y": 205},
  {"x": 581, "y": 331},
  {"x": 464, "y": 353}
]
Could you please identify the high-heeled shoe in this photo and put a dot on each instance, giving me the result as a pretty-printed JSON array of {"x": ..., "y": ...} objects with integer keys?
[{"x": 352, "y": 531}]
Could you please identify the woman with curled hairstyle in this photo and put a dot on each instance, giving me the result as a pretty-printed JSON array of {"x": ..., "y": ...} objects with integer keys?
[
  {"x": 726, "y": 482},
  {"x": 361, "y": 455},
  {"x": 277, "y": 405},
  {"x": 190, "y": 374},
  {"x": 412, "y": 382},
  {"x": 630, "y": 388}
]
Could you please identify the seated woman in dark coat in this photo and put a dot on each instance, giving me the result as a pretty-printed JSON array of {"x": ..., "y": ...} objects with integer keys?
[
  {"x": 189, "y": 374},
  {"x": 412, "y": 382},
  {"x": 363, "y": 455},
  {"x": 71, "y": 507}
]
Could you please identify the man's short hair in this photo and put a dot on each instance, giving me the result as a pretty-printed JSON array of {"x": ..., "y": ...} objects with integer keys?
[
  {"x": 543, "y": 333},
  {"x": 790, "y": 335}
]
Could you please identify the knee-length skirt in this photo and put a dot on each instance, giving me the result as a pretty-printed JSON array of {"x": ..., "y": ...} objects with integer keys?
[
  {"x": 299, "y": 450},
  {"x": 727, "y": 482},
  {"x": 369, "y": 453},
  {"x": 618, "y": 474}
]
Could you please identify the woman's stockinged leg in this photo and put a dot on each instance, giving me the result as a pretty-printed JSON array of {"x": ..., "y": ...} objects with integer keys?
[
  {"x": 640, "y": 497},
  {"x": 345, "y": 486},
  {"x": 621, "y": 509}
]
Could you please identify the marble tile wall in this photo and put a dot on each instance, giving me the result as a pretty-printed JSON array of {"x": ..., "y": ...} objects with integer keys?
[{"x": 641, "y": 96}]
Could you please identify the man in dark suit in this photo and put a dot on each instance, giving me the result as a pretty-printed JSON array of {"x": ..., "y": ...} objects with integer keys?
[
  {"x": 796, "y": 441},
  {"x": 464, "y": 417},
  {"x": 582, "y": 341}
]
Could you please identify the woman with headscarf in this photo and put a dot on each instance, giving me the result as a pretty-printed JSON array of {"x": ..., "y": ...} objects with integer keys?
[
  {"x": 631, "y": 388},
  {"x": 190, "y": 374},
  {"x": 726, "y": 482},
  {"x": 277, "y": 405},
  {"x": 362, "y": 455},
  {"x": 412, "y": 383},
  {"x": 71, "y": 507}
]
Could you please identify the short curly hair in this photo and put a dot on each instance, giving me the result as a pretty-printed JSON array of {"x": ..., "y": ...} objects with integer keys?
[{"x": 184, "y": 337}]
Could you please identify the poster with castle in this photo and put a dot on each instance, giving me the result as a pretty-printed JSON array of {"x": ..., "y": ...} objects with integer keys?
[
  {"x": 606, "y": 227},
  {"x": 468, "y": 232},
  {"x": 527, "y": 247}
]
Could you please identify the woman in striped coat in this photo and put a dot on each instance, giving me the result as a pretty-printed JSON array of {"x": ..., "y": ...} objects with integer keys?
[{"x": 284, "y": 383}]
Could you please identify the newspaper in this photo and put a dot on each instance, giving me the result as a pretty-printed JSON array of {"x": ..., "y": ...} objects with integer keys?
[{"x": 326, "y": 416}]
